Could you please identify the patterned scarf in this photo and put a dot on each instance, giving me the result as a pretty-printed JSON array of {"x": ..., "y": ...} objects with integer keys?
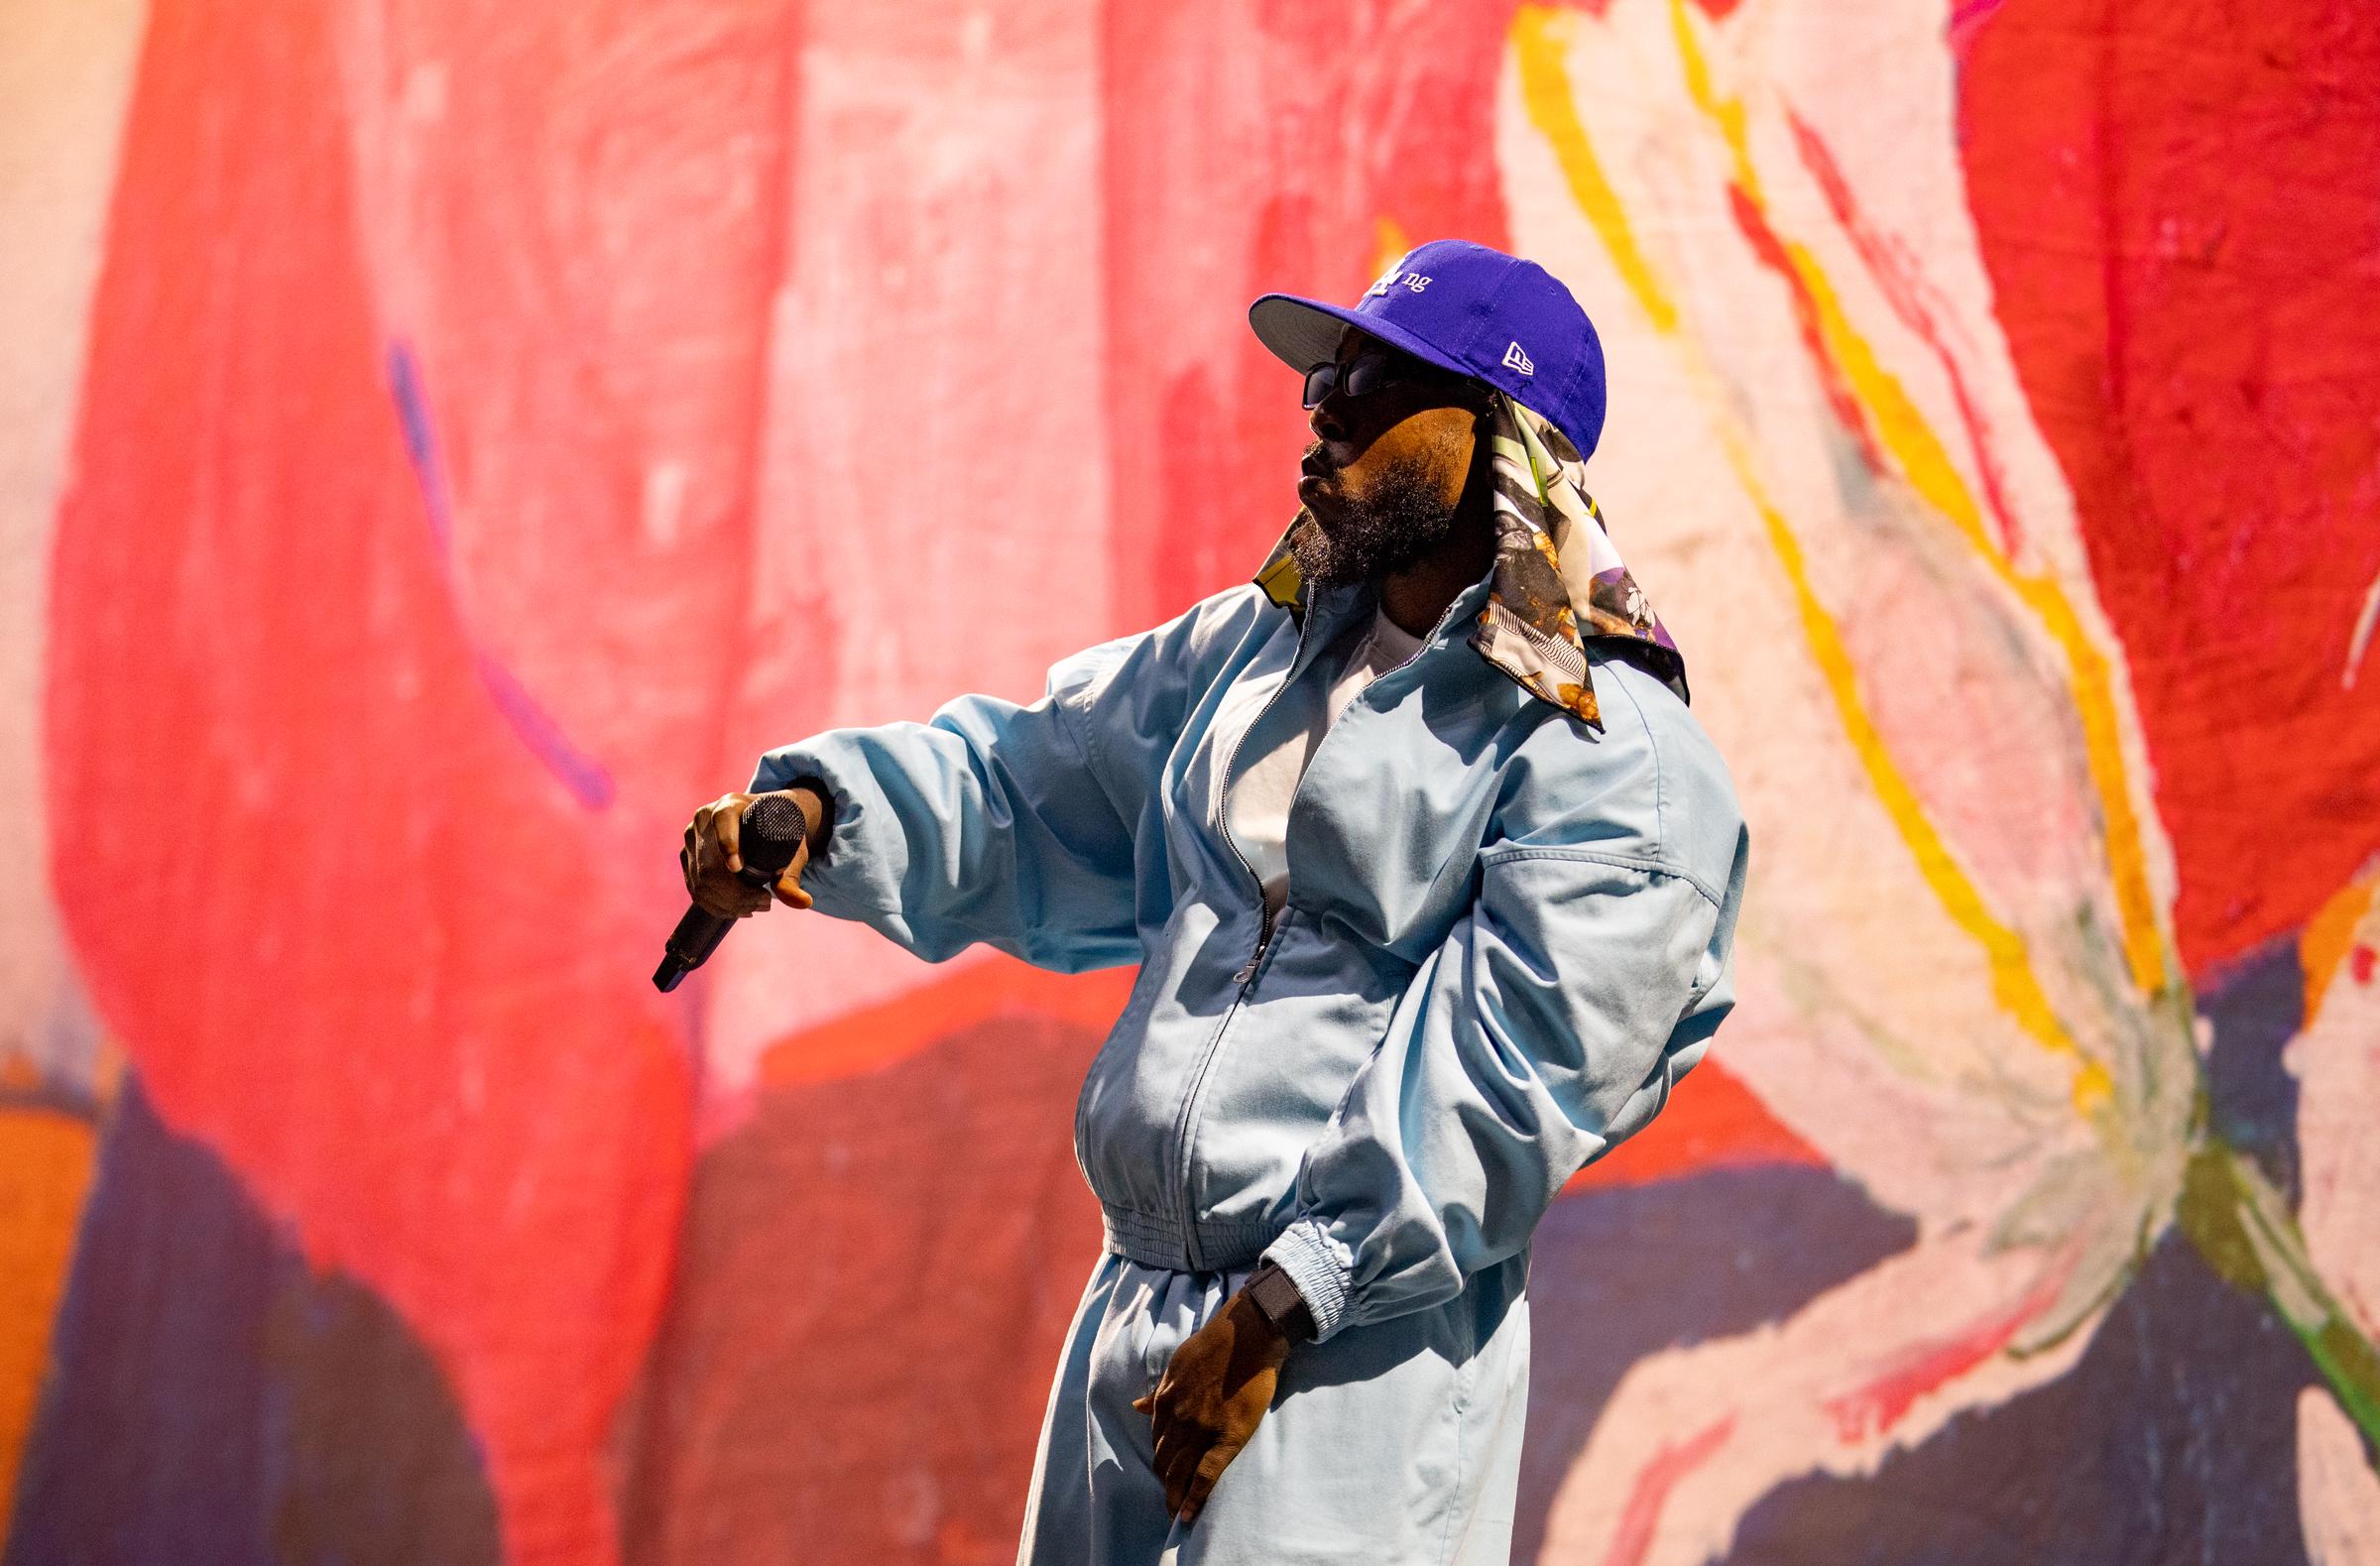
[{"x": 1557, "y": 578}]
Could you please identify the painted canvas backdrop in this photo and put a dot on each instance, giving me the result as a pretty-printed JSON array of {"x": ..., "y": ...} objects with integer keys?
[{"x": 445, "y": 443}]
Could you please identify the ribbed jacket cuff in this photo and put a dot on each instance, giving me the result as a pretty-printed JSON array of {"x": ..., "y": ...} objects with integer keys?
[{"x": 1320, "y": 1268}]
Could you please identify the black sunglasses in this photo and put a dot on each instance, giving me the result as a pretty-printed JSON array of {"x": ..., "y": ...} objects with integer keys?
[{"x": 1368, "y": 371}]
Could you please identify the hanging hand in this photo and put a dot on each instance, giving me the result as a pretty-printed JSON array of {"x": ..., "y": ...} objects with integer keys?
[{"x": 1207, "y": 1404}]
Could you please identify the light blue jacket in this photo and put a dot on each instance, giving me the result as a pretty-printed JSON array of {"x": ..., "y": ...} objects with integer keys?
[{"x": 1506, "y": 933}]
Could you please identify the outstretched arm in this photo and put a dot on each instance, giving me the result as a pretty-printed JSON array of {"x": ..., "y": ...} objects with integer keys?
[
  {"x": 987, "y": 823},
  {"x": 1011, "y": 824}
]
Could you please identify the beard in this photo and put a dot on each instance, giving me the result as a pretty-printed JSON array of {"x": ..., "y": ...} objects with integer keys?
[{"x": 1399, "y": 517}]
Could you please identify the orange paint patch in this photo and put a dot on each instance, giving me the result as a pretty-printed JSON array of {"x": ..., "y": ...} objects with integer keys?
[
  {"x": 2328, "y": 941},
  {"x": 879, "y": 1036},
  {"x": 1711, "y": 1121},
  {"x": 45, "y": 1169}
]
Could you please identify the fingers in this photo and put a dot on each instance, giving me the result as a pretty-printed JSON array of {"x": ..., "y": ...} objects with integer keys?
[
  {"x": 702, "y": 850},
  {"x": 711, "y": 859},
  {"x": 1201, "y": 1481},
  {"x": 1174, "y": 1446},
  {"x": 1184, "y": 1451},
  {"x": 728, "y": 897},
  {"x": 1186, "y": 1458},
  {"x": 1178, "y": 1449},
  {"x": 1177, "y": 1475},
  {"x": 788, "y": 886},
  {"x": 727, "y": 824}
]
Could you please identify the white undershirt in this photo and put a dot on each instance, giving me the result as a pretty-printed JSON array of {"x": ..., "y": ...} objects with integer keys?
[{"x": 1267, "y": 778}]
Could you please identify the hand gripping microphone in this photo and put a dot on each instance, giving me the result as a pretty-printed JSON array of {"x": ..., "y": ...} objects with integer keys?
[{"x": 772, "y": 828}]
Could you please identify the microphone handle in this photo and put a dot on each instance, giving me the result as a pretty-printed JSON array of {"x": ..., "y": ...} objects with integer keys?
[
  {"x": 699, "y": 934},
  {"x": 690, "y": 946}
]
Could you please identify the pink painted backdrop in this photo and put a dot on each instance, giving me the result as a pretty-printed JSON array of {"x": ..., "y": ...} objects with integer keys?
[{"x": 445, "y": 443}]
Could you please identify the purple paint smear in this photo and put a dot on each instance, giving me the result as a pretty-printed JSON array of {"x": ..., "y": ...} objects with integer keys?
[{"x": 581, "y": 774}]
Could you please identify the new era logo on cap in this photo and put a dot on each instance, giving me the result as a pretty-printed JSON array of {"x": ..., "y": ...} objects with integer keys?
[{"x": 1515, "y": 359}]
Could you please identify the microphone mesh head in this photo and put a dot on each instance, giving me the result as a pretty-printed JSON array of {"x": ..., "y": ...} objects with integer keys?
[{"x": 772, "y": 828}]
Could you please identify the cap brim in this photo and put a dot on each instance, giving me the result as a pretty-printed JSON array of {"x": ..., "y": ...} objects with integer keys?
[{"x": 1303, "y": 333}]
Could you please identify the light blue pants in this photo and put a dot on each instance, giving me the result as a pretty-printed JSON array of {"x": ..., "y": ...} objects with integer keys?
[{"x": 1393, "y": 1443}]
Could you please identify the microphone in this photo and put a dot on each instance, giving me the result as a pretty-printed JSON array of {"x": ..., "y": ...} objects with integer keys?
[{"x": 772, "y": 828}]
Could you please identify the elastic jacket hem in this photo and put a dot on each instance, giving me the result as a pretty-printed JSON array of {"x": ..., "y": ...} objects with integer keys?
[{"x": 1208, "y": 1247}]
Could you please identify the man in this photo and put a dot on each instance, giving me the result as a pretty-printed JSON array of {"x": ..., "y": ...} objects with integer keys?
[{"x": 1432, "y": 879}]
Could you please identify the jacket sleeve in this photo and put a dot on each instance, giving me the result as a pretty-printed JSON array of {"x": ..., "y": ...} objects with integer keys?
[
  {"x": 1549, "y": 1024},
  {"x": 1002, "y": 823}
]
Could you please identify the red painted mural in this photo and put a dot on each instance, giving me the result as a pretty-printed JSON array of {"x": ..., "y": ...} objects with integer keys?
[{"x": 468, "y": 436}]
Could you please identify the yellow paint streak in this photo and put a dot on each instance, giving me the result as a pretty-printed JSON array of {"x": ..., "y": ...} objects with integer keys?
[
  {"x": 1926, "y": 464},
  {"x": 45, "y": 1169},
  {"x": 2146, "y": 950},
  {"x": 1726, "y": 113},
  {"x": 2015, "y": 985},
  {"x": 1540, "y": 35},
  {"x": 2327, "y": 940},
  {"x": 1388, "y": 244}
]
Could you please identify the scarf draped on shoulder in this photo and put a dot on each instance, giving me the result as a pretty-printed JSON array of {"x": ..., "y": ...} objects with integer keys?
[{"x": 1558, "y": 580}]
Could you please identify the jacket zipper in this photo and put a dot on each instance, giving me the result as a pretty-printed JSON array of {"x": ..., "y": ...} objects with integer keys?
[
  {"x": 1299, "y": 786},
  {"x": 1223, "y": 817},
  {"x": 1223, "y": 813},
  {"x": 1264, "y": 927},
  {"x": 1247, "y": 975}
]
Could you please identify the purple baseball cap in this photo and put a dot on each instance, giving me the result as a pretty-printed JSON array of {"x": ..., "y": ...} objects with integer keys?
[{"x": 1464, "y": 307}]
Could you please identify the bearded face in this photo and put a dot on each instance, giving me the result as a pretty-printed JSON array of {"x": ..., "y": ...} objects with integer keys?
[
  {"x": 1385, "y": 476},
  {"x": 1404, "y": 507}
]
